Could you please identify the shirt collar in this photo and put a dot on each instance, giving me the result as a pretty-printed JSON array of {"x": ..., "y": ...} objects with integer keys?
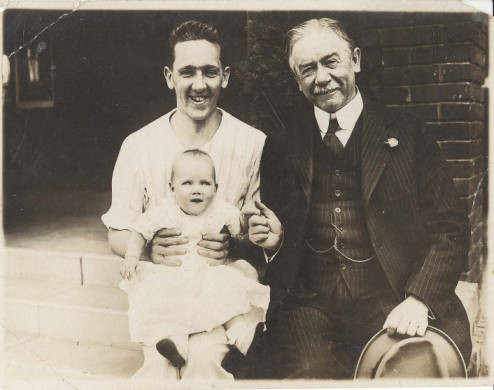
[{"x": 347, "y": 115}]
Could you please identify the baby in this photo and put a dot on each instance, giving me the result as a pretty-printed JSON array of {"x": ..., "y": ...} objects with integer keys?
[{"x": 167, "y": 304}]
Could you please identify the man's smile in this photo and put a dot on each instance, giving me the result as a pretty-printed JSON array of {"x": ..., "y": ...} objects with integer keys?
[
  {"x": 318, "y": 91},
  {"x": 198, "y": 99}
]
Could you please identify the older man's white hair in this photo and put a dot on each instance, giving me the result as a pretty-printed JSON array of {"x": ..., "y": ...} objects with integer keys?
[{"x": 299, "y": 31}]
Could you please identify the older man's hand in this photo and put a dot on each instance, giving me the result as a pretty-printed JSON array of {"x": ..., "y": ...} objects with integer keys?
[
  {"x": 408, "y": 318},
  {"x": 265, "y": 228}
]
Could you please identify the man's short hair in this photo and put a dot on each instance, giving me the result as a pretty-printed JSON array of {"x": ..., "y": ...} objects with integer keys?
[
  {"x": 193, "y": 30},
  {"x": 296, "y": 33},
  {"x": 194, "y": 153}
]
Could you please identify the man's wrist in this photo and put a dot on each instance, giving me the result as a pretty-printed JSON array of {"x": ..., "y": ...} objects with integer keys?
[
  {"x": 270, "y": 254},
  {"x": 430, "y": 313},
  {"x": 281, "y": 238}
]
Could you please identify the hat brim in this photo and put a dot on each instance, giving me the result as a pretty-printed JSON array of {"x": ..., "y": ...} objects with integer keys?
[{"x": 380, "y": 343}]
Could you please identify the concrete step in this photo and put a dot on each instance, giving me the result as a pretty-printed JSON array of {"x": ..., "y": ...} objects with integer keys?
[
  {"x": 66, "y": 311},
  {"x": 35, "y": 362},
  {"x": 76, "y": 267}
]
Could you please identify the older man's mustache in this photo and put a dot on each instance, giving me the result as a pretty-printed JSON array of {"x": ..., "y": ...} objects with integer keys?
[{"x": 316, "y": 90}]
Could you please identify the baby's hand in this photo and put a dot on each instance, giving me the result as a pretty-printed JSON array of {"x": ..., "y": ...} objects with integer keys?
[{"x": 129, "y": 267}]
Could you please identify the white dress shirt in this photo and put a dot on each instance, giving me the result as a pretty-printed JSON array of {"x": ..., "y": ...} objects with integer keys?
[{"x": 347, "y": 116}]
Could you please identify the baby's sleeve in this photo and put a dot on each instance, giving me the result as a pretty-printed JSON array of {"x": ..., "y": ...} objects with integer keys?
[{"x": 151, "y": 221}]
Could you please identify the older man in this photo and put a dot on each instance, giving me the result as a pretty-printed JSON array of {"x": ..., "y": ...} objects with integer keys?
[{"x": 373, "y": 234}]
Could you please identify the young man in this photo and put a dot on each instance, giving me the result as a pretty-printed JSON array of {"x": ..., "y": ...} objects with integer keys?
[
  {"x": 140, "y": 180},
  {"x": 373, "y": 233}
]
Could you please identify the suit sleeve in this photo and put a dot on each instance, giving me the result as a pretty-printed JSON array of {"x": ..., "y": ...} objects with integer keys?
[
  {"x": 280, "y": 192},
  {"x": 446, "y": 224}
]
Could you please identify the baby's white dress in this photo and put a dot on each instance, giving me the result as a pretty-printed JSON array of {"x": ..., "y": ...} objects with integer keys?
[{"x": 166, "y": 301}]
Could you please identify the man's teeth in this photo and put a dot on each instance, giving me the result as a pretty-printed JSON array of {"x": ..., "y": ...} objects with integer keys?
[
  {"x": 325, "y": 91},
  {"x": 198, "y": 99}
]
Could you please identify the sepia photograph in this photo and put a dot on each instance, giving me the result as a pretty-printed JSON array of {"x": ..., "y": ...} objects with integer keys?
[{"x": 239, "y": 194}]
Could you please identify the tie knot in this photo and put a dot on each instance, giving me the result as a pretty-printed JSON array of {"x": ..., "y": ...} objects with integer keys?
[{"x": 333, "y": 126}]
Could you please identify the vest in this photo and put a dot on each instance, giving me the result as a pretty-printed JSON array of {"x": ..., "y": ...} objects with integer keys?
[{"x": 336, "y": 229}]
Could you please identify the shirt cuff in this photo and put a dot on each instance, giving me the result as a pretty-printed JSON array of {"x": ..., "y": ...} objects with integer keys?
[{"x": 270, "y": 258}]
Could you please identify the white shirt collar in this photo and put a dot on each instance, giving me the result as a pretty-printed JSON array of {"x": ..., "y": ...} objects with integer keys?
[{"x": 347, "y": 115}]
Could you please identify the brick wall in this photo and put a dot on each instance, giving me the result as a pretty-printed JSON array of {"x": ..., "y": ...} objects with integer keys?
[
  {"x": 436, "y": 70},
  {"x": 435, "y": 67}
]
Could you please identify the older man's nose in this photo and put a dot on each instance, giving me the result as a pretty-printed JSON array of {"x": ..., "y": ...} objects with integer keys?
[{"x": 323, "y": 76}]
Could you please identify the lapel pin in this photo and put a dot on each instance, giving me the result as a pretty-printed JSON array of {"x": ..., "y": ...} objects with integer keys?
[{"x": 391, "y": 142}]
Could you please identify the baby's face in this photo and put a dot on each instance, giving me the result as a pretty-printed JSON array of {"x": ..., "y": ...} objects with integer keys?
[{"x": 193, "y": 185}]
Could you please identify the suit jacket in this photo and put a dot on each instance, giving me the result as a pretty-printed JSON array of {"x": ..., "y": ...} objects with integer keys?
[{"x": 417, "y": 227}]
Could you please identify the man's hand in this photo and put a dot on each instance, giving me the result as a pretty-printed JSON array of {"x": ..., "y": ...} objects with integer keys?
[
  {"x": 265, "y": 228},
  {"x": 408, "y": 318},
  {"x": 215, "y": 246},
  {"x": 165, "y": 245}
]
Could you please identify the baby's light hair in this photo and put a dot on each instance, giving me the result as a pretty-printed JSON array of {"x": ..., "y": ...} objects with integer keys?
[{"x": 194, "y": 153}]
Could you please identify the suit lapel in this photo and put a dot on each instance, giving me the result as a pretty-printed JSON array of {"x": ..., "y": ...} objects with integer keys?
[{"x": 375, "y": 153}]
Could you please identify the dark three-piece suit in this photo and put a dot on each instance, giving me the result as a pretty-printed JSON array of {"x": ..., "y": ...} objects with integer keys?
[{"x": 363, "y": 229}]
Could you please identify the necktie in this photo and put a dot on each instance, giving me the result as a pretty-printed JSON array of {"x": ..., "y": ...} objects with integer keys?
[{"x": 330, "y": 138}]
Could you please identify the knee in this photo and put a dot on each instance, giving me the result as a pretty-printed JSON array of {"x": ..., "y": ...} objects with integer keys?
[
  {"x": 243, "y": 266},
  {"x": 208, "y": 346}
]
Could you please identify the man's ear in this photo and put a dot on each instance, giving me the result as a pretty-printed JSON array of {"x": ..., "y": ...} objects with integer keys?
[
  {"x": 226, "y": 77},
  {"x": 356, "y": 59},
  {"x": 167, "y": 72}
]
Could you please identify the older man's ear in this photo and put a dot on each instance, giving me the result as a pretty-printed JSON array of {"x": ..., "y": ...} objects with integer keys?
[{"x": 356, "y": 59}]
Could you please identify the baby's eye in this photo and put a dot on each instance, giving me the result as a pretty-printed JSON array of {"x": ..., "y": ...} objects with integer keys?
[
  {"x": 186, "y": 182},
  {"x": 205, "y": 183}
]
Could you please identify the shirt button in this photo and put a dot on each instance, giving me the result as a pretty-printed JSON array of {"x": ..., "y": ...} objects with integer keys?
[
  {"x": 343, "y": 266},
  {"x": 337, "y": 193},
  {"x": 337, "y": 172},
  {"x": 337, "y": 210}
]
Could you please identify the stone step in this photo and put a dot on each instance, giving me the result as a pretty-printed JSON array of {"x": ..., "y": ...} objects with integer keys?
[
  {"x": 103, "y": 269},
  {"x": 36, "y": 362},
  {"x": 66, "y": 311},
  {"x": 76, "y": 267}
]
